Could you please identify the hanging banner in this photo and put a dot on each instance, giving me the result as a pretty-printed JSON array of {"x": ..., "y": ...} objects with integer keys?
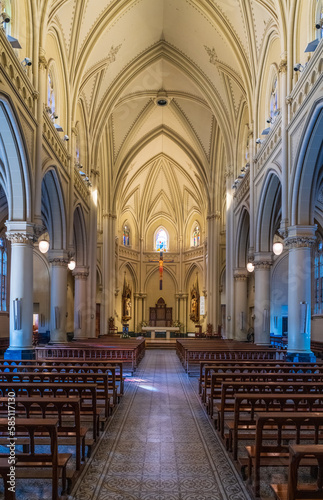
[{"x": 161, "y": 266}]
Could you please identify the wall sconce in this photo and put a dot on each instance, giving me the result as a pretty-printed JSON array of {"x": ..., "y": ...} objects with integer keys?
[
  {"x": 229, "y": 318},
  {"x": 71, "y": 265},
  {"x": 43, "y": 243},
  {"x": 278, "y": 247},
  {"x": 250, "y": 267}
]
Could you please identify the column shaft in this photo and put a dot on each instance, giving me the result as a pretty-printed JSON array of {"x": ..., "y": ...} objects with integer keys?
[
  {"x": 300, "y": 240},
  {"x": 241, "y": 305},
  {"x": 262, "y": 299},
  {"x": 21, "y": 292},
  {"x": 80, "y": 303},
  {"x": 58, "y": 299}
]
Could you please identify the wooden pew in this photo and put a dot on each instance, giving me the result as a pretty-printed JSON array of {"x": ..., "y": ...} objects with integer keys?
[
  {"x": 206, "y": 367},
  {"x": 95, "y": 366},
  {"x": 230, "y": 389},
  {"x": 267, "y": 366},
  {"x": 46, "y": 407},
  {"x": 61, "y": 389},
  {"x": 294, "y": 491},
  {"x": 108, "y": 372},
  {"x": 32, "y": 460},
  {"x": 277, "y": 454},
  {"x": 243, "y": 425},
  {"x": 275, "y": 378},
  {"x": 99, "y": 379},
  {"x": 127, "y": 351}
]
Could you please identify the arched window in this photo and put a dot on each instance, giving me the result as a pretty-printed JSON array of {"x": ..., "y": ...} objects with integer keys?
[
  {"x": 196, "y": 236},
  {"x": 319, "y": 19},
  {"x": 126, "y": 236},
  {"x": 5, "y": 6},
  {"x": 274, "y": 98},
  {"x": 318, "y": 277},
  {"x": 51, "y": 92},
  {"x": 3, "y": 273},
  {"x": 161, "y": 240}
]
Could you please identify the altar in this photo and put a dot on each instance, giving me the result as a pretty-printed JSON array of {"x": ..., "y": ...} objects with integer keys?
[{"x": 154, "y": 329}]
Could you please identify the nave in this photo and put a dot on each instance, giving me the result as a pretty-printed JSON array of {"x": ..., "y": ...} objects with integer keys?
[{"x": 159, "y": 444}]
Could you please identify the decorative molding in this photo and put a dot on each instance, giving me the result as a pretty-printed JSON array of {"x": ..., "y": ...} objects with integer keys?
[
  {"x": 299, "y": 242},
  {"x": 243, "y": 187},
  {"x": 18, "y": 237},
  {"x": 240, "y": 276},
  {"x": 282, "y": 68},
  {"x": 108, "y": 215},
  {"x": 262, "y": 264},
  {"x": 215, "y": 215},
  {"x": 58, "y": 261}
]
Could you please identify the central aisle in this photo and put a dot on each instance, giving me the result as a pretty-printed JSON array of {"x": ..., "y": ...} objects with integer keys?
[{"x": 159, "y": 444}]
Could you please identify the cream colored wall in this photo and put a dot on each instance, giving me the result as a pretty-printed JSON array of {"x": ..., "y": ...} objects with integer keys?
[{"x": 272, "y": 59}]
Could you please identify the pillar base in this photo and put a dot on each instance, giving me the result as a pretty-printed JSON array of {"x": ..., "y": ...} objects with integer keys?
[
  {"x": 14, "y": 354},
  {"x": 301, "y": 357}
]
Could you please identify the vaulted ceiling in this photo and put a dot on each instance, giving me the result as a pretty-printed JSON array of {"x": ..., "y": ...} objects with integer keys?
[{"x": 200, "y": 56}]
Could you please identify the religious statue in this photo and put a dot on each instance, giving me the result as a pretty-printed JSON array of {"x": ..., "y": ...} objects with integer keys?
[
  {"x": 126, "y": 301},
  {"x": 195, "y": 302}
]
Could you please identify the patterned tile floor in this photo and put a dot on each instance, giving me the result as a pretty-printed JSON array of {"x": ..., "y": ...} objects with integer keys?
[{"x": 160, "y": 445}]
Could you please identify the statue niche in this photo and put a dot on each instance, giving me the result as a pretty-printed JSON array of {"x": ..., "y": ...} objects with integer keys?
[
  {"x": 126, "y": 301},
  {"x": 195, "y": 302}
]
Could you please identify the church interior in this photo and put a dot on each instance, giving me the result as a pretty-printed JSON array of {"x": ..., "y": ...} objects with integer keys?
[{"x": 161, "y": 207}]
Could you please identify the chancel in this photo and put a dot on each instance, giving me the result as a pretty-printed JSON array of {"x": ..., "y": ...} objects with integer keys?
[{"x": 161, "y": 202}]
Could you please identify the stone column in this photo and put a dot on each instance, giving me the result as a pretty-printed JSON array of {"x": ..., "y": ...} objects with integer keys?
[
  {"x": 21, "y": 236},
  {"x": 93, "y": 238},
  {"x": 80, "y": 302},
  {"x": 41, "y": 77},
  {"x": 299, "y": 242},
  {"x": 58, "y": 299},
  {"x": 212, "y": 272},
  {"x": 183, "y": 309},
  {"x": 262, "y": 263},
  {"x": 109, "y": 284},
  {"x": 284, "y": 146},
  {"x": 229, "y": 256},
  {"x": 241, "y": 304}
]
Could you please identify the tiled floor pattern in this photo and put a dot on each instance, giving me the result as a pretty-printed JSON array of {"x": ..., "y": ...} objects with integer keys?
[{"x": 160, "y": 445}]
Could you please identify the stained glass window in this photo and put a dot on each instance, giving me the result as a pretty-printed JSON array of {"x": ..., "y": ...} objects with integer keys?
[
  {"x": 318, "y": 278},
  {"x": 161, "y": 240},
  {"x": 3, "y": 274},
  {"x": 50, "y": 92},
  {"x": 126, "y": 236},
  {"x": 196, "y": 236},
  {"x": 274, "y": 98}
]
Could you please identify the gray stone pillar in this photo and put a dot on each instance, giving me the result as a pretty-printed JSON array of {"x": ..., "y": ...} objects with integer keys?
[
  {"x": 262, "y": 263},
  {"x": 21, "y": 236}
]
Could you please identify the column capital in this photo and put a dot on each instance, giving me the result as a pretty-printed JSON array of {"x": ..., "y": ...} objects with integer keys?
[
  {"x": 214, "y": 215},
  {"x": 262, "y": 260},
  {"x": 58, "y": 261},
  {"x": 81, "y": 273},
  {"x": 240, "y": 274},
  {"x": 262, "y": 264},
  {"x": 300, "y": 236},
  {"x": 20, "y": 232},
  {"x": 108, "y": 215}
]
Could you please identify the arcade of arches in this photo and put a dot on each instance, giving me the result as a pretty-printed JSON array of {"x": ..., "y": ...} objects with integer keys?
[{"x": 162, "y": 145}]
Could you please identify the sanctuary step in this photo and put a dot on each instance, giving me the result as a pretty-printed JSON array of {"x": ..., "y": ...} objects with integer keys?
[{"x": 160, "y": 343}]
